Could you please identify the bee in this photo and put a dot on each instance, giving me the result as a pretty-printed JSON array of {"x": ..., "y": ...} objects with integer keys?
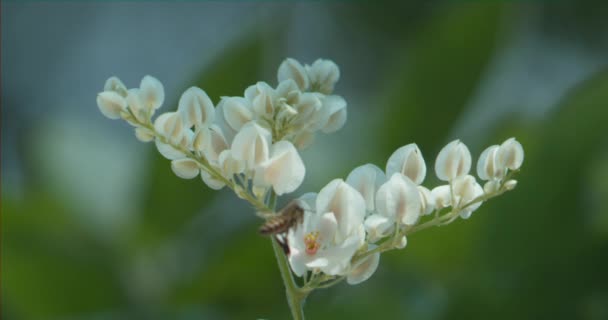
[
  {"x": 289, "y": 216},
  {"x": 279, "y": 225}
]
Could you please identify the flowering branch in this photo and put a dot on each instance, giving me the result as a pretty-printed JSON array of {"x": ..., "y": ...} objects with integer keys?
[{"x": 250, "y": 144}]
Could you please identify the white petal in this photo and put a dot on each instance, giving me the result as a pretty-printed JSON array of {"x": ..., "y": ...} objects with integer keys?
[
  {"x": 152, "y": 92},
  {"x": 137, "y": 107},
  {"x": 211, "y": 182},
  {"x": 345, "y": 202},
  {"x": 323, "y": 75},
  {"x": 378, "y": 226},
  {"x": 228, "y": 165},
  {"x": 427, "y": 199},
  {"x": 297, "y": 261},
  {"x": 364, "y": 269},
  {"x": 196, "y": 108},
  {"x": 111, "y": 104},
  {"x": 454, "y": 160},
  {"x": 144, "y": 134},
  {"x": 185, "y": 168},
  {"x": 304, "y": 139},
  {"x": 288, "y": 91},
  {"x": 338, "y": 257},
  {"x": 336, "y": 110},
  {"x": 251, "y": 144},
  {"x": 215, "y": 144},
  {"x": 408, "y": 161},
  {"x": 308, "y": 201},
  {"x": 114, "y": 84},
  {"x": 327, "y": 227},
  {"x": 486, "y": 165},
  {"x": 292, "y": 69},
  {"x": 465, "y": 190},
  {"x": 399, "y": 198},
  {"x": 168, "y": 151},
  {"x": 443, "y": 198},
  {"x": 227, "y": 130},
  {"x": 367, "y": 179},
  {"x": 284, "y": 170},
  {"x": 262, "y": 98},
  {"x": 510, "y": 154},
  {"x": 237, "y": 112}
]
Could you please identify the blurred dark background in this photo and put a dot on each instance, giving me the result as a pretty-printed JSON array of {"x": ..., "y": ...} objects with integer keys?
[{"x": 96, "y": 226}]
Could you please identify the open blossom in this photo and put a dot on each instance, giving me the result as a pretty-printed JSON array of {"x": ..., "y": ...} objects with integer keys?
[{"x": 329, "y": 236}]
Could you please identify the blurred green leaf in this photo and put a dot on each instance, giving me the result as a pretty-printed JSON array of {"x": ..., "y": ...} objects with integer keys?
[
  {"x": 50, "y": 265},
  {"x": 437, "y": 76}
]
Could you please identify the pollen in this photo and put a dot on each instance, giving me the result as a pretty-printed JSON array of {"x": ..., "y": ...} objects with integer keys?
[{"x": 311, "y": 241}]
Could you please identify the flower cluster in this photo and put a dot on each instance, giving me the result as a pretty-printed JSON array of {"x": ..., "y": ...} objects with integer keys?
[
  {"x": 349, "y": 223},
  {"x": 249, "y": 143}
]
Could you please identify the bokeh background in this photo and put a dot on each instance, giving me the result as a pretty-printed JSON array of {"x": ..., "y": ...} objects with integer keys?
[{"x": 96, "y": 226}]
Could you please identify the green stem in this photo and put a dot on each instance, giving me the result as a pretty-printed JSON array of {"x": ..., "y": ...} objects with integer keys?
[{"x": 295, "y": 296}]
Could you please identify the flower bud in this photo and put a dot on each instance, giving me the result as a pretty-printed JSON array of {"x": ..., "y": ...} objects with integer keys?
[
  {"x": 196, "y": 108},
  {"x": 169, "y": 125},
  {"x": 491, "y": 186},
  {"x": 251, "y": 145},
  {"x": 141, "y": 114},
  {"x": 511, "y": 184},
  {"x": 363, "y": 269},
  {"x": 408, "y": 161},
  {"x": 402, "y": 243},
  {"x": 323, "y": 75},
  {"x": 510, "y": 154},
  {"x": 111, "y": 104},
  {"x": 210, "y": 141},
  {"x": 185, "y": 168},
  {"x": 284, "y": 170},
  {"x": 454, "y": 160},
  {"x": 114, "y": 84},
  {"x": 399, "y": 198},
  {"x": 288, "y": 92},
  {"x": 367, "y": 179},
  {"x": 292, "y": 69},
  {"x": 152, "y": 93},
  {"x": 486, "y": 165},
  {"x": 378, "y": 226}
]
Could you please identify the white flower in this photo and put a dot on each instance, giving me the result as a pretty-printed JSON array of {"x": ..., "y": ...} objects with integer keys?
[
  {"x": 510, "y": 154},
  {"x": 408, "y": 161},
  {"x": 263, "y": 99},
  {"x": 228, "y": 165},
  {"x": 328, "y": 238},
  {"x": 363, "y": 269},
  {"x": 292, "y": 69},
  {"x": 136, "y": 105},
  {"x": 196, "y": 108},
  {"x": 465, "y": 189},
  {"x": 170, "y": 126},
  {"x": 251, "y": 145},
  {"x": 454, "y": 160},
  {"x": 114, "y": 84},
  {"x": 210, "y": 142},
  {"x": 185, "y": 168},
  {"x": 399, "y": 198},
  {"x": 288, "y": 91},
  {"x": 152, "y": 93},
  {"x": 323, "y": 75},
  {"x": 211, "y": 182},
  {"x": 111, "y": 104},
  {"x": 284, "y": 169},
  {"x": 486, "y": 165},
  {"x": 332, "y": 114},
  {"x": 397, "y": 201},
  {"x": 367, "y": 179},
  {"x": 237, "y": 112},
  {"x": 144, "y": 134}
]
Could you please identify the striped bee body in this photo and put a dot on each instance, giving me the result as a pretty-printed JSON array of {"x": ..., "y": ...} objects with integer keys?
[{"x": 290, "y": 216}]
